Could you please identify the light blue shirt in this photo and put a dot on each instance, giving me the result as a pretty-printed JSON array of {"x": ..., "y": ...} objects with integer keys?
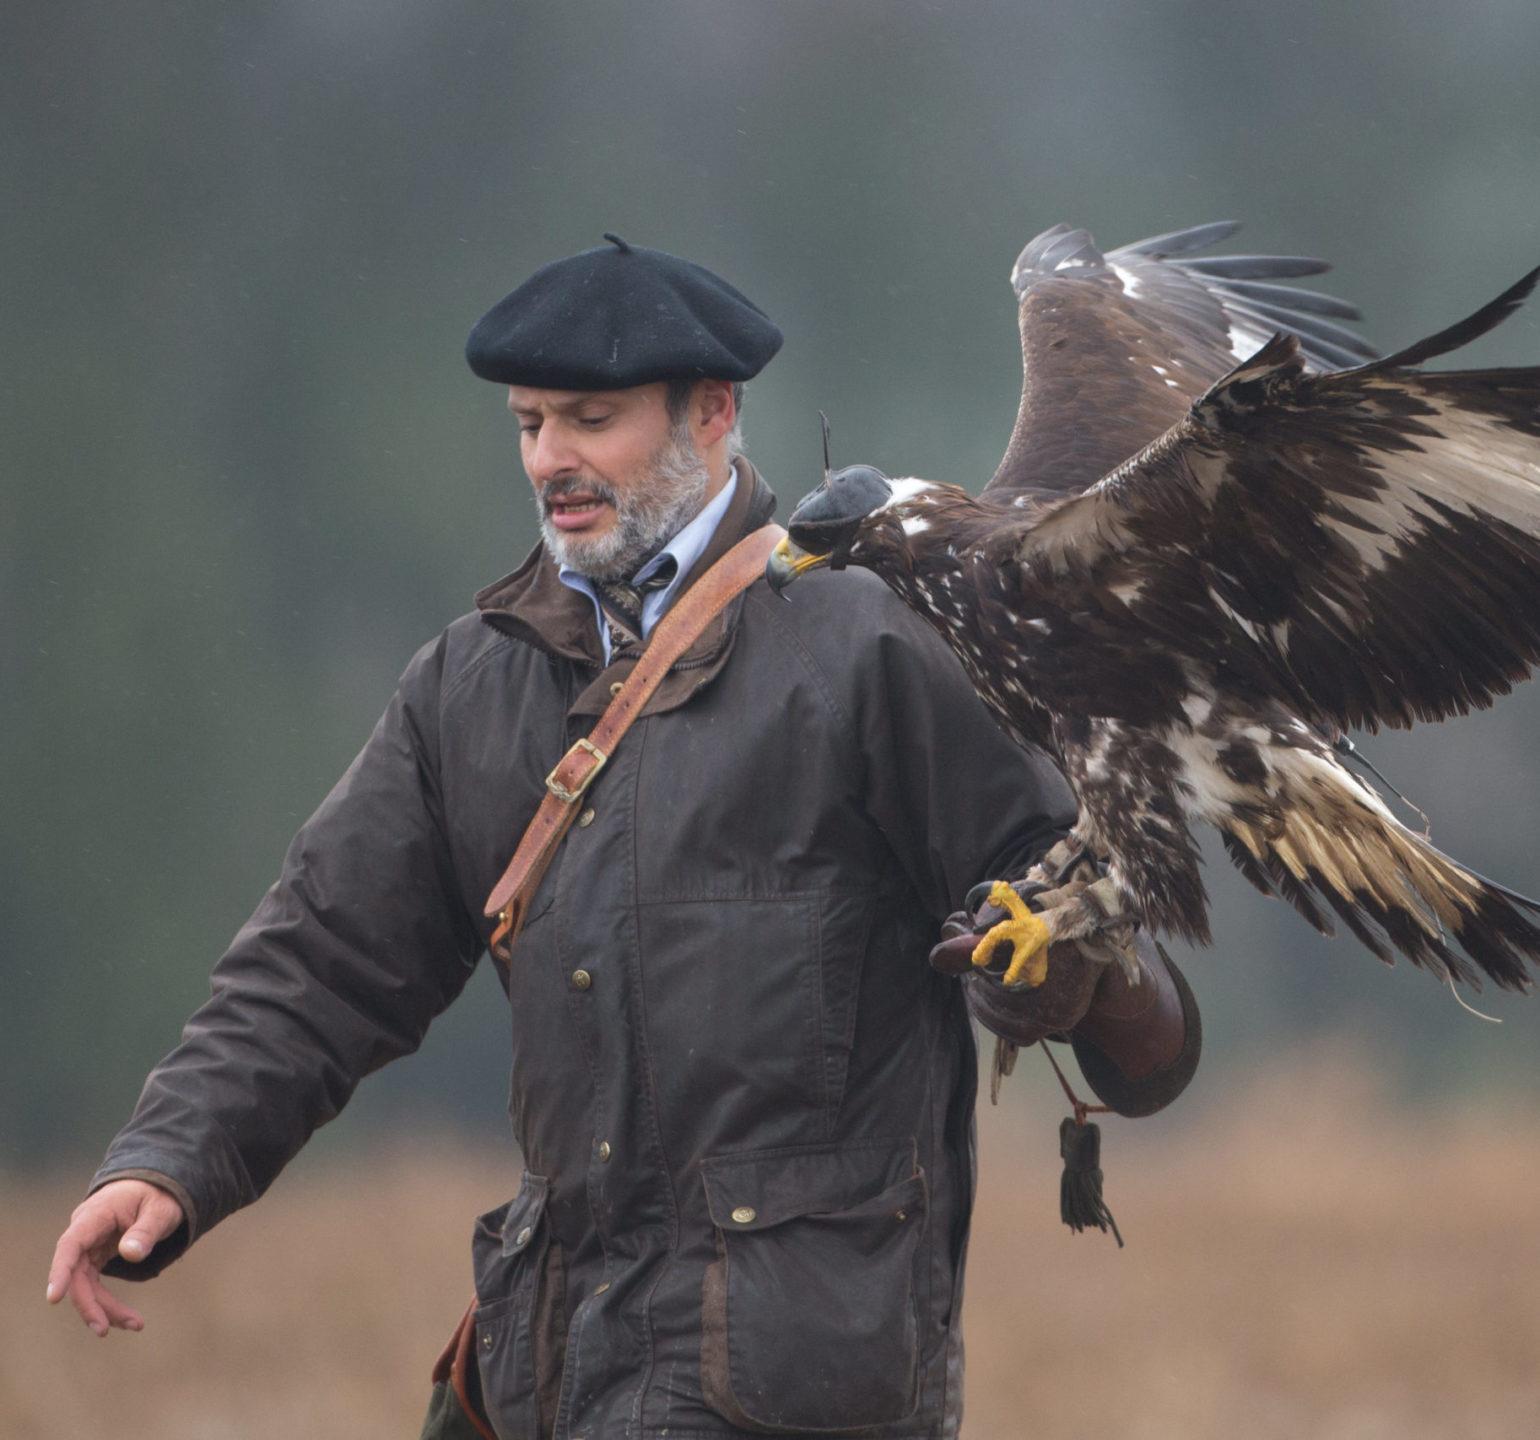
[{"x": 686, "y": 547}]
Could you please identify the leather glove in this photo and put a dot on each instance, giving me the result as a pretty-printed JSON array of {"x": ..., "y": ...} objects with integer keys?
[{"x": 1023, "y": 1016}]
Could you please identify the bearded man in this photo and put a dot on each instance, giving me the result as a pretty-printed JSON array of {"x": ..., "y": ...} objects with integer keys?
[{"x": 744, "y": 1100}]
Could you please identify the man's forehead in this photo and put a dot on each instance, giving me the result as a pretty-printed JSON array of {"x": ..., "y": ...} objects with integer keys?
[{"x": 532, "y": 398}]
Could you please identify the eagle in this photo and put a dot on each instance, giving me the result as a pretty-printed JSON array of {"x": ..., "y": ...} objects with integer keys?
[{"x": 1226, "y": 531}]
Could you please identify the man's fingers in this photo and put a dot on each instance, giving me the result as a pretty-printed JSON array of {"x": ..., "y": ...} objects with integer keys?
[
  {"x": 127, "y": 1216},
  {"x": 99, "y": 1307},
  {"x": 119, "y": 1315},
  {"x": 85, "y": 1232},
  {"x": 82, "y": 1291},
  {"x": 66, "y": 1255}
]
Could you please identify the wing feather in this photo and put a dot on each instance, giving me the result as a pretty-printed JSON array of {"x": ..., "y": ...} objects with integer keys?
[
  {"x": 1182, "y": 242},
  {"x": 1116, "y": 347},
  {"x": 1256, "y": 267},
  {"x": 1310, "y": 327},
  {"x": 1369, "y": 539},
  {"x": 1292, "y": 298}
]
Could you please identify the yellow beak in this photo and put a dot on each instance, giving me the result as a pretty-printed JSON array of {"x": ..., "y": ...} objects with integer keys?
[{"x": 786, "y": 562}]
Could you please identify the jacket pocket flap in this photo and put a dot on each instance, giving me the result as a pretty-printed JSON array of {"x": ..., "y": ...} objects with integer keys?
[
  {"x": 763, "y": 1188},
  {"x": 524, "y": 1212},
  {"x": 514, "y": 1224}
]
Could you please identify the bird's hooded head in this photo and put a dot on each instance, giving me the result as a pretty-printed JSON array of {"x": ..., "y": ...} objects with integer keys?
[
  {"x": 858, "y": 516},
  {"x": 825, "y": 526}
]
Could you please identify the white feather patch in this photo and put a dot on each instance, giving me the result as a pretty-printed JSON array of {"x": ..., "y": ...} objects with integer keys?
[
  {"x": 1244, "y": 341},
  {"x": 1129, "y": 281},
  {"x": 906, "y": 490}
]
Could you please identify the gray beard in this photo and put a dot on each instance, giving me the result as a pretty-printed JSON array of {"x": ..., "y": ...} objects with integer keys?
[{"x": 661, "y": 501}]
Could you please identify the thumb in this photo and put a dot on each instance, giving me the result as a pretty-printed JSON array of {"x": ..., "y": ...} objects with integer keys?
[
  {"x": 158, "y": 1216},
  {"x": 954, "y": 954}
]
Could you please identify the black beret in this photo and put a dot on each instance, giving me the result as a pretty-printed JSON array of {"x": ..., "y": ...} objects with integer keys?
[{"x": 618, "y": 316}]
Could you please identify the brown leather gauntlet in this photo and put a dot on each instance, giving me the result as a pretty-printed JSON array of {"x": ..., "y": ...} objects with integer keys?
[{"x": 1137, "y": 1045}]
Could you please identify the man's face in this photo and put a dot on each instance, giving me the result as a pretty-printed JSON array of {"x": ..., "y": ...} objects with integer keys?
[{"x": 614, "y": 478}]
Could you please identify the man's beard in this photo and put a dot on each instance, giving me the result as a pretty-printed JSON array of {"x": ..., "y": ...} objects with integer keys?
[{"x": 656, "y": 506}]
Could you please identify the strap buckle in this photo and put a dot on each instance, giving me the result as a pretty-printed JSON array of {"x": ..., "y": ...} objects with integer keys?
[
  {"x": 499, "y": 944},
  {"x": 569, "y": 788}
]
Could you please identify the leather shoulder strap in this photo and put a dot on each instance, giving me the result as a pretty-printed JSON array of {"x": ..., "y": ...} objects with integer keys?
[{"x": 684, "y": 623}]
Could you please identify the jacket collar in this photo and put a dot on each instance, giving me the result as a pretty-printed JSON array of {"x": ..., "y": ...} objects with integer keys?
[{"x": 532, "y": 604}]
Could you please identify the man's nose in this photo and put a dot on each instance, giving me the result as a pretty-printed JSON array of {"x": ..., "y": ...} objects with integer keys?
[{"x": 549, "y": 456}]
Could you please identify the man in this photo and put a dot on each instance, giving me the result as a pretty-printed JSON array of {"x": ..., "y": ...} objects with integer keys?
[{"x": 744, "y": 1099}]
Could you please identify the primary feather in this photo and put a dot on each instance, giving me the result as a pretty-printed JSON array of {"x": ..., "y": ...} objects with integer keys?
[{"x": 1188, "y": 574}]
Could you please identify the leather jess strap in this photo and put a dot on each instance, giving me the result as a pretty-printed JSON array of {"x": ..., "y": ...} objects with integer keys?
[{"x": 684, "y": 623}]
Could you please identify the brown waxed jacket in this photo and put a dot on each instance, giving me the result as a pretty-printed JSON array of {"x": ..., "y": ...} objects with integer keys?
[{"x": 744, "y": 1100}]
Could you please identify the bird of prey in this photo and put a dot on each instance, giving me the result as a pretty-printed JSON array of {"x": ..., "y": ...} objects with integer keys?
[{"x": 1224, "y": 532}]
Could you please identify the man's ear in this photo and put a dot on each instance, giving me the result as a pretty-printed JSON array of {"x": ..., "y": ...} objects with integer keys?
[{"x": 712, "y": 411}]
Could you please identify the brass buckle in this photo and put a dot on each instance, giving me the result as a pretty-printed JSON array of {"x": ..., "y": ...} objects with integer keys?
[{"x": 559, "y": 790}]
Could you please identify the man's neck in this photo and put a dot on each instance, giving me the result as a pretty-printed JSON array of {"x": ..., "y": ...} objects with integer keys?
[{"x": 719, "y": 467}]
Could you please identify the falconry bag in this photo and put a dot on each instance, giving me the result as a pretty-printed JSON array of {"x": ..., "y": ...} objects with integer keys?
[{"x": 454, "y": 1410}]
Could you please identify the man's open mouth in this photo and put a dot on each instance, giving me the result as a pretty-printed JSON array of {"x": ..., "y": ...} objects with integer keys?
[{"x": 574, "y": 512}]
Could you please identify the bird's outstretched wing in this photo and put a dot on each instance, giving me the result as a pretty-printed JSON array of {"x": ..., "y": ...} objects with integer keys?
[
  {"x": 1115, "y": 347},
  {"x": 1366, "y": 540}
]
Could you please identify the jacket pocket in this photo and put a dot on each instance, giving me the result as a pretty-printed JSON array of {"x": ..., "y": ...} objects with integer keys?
[
  {"x": 516, "y": 1266},
  {"x": 808, "y": 1312}
]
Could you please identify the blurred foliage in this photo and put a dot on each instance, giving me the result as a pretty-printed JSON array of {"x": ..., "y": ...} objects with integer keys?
[{"x": 246, "y": 473}]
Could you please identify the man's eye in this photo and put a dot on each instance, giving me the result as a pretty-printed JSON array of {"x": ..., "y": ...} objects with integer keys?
[
  {"x": 529, "y": 429},
  {"x": 593, "y": 422}
]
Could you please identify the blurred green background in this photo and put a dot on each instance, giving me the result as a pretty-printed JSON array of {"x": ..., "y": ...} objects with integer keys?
[{"x": 246, "y": 472}]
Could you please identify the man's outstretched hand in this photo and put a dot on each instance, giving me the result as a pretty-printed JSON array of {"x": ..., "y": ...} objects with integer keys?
[{"x": 125, "y": 1217}]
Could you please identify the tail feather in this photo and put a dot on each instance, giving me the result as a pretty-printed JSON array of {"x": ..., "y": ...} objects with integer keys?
[
  {"x": 1273, "y": 880},
  {"x": 1524, "y": 902},
  {"x": 1396, "y": 892},
  {"x": 1356, "y": 921}
]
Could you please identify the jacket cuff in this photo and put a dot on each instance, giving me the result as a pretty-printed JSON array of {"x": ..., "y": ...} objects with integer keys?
[{"x": 174, "y": 1246}]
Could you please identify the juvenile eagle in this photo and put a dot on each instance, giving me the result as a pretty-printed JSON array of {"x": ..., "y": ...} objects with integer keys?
[{"x": 1188, "y": 576}]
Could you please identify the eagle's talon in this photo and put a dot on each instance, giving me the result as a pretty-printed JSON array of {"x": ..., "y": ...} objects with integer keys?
[
  {"x": 978, "y": 896},
  {"x": 1027, "y": 935}
]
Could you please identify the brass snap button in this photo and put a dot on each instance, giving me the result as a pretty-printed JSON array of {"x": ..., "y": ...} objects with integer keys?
[
  {"x": 616, "y": 687},
  {"x": 600, "y": 1289},
  {"x": 586, "y": 818},
  {"x": 604, "y": 1149},
  {"x": 581, "y": 979},
  {"x": 745, "y": 1214},
  {"x": 486, "y": 1339},
  {"x": 522, "y": 1238}
]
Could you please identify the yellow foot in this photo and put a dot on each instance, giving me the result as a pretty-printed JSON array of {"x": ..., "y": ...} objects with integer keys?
[{"x": 1024, "y": 932}]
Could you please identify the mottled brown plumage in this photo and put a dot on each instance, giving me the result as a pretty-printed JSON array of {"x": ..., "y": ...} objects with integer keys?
[{"x": 1188, "y": 575}]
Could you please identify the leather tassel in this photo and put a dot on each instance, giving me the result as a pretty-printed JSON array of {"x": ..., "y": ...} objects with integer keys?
[{"x": 1080, "y": 1188}]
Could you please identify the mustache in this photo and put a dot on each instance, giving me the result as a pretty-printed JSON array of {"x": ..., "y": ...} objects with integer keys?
[{"x": 576, "y": 485}]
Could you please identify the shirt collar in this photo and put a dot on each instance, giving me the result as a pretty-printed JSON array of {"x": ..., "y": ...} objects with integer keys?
[{"x": 685, "y": 548}]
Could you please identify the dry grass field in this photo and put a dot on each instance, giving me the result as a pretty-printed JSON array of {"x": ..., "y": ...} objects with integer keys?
[{"x": 1303, "y": 1262}]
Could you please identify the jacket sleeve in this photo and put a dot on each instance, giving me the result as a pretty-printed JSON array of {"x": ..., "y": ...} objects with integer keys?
[
  {"x": 958, "y": 800},
  {"x": 360, "y": 943}
]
